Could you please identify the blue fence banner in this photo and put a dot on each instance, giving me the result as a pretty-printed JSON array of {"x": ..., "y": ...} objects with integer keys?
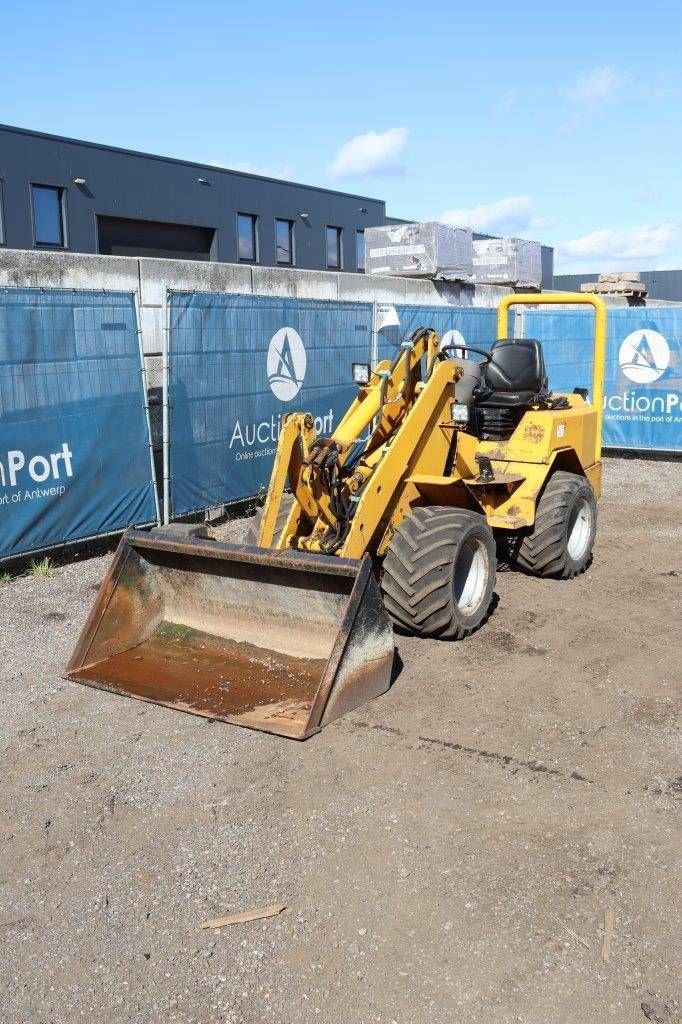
[
  {"x": 74, "y": 440},
  {"x": 643, "y": 376},
  {"x": 455, "y": 324},
  {"x": 238, "y": 363}
]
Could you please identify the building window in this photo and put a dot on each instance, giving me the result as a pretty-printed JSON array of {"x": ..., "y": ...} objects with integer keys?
[
  {"x": 48, "y": 215},
  {"x": 284, "y": 242},
  {"x": 247, "y": 238},
  {"x": 360, "y": 250},
  {"x": 334, "y": 248}
]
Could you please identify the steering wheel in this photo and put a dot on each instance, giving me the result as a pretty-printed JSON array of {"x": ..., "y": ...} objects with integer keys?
[{"x": 487, "y": 356}]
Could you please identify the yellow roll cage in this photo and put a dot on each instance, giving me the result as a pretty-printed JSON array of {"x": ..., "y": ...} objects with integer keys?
[{"x": 568, "y": 299}]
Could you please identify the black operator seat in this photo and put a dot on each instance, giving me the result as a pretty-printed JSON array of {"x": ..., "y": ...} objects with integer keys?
[{"x": 515, "y": 375}]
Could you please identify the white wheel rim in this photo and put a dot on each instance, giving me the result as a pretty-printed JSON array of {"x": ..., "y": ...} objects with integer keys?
[
  {"x": 580, "y": 530},
  {"x": 470, "y": 576}
]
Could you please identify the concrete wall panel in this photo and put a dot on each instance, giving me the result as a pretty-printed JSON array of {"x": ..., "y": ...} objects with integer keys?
[
  {"x": 187, "y": 276},
  {"x": 30, "y": 269}
]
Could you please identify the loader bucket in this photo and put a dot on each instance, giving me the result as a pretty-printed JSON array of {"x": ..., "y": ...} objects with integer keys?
[{"x": 273, "y": 640}]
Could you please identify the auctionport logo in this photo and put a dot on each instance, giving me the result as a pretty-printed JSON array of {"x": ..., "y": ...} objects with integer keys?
[
  {"x": 19, "y": 471},
  {"x": 644, "y": 356},
  {"x": 286, "y": 364}
]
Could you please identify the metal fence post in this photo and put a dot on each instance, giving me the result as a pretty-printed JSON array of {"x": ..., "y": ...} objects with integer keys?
[
  {"x": 374, "y": 342},
  {"x": 145, "y": 389},
  {"x": 165, "y": 370}
]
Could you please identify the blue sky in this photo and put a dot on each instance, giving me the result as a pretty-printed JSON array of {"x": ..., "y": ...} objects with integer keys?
[{"x": 561, "y": 122}]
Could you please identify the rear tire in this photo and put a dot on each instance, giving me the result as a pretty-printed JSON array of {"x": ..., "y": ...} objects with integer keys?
[
  {"x": 285, "y": 507},
  {"x": 439, "y": 573},
  {"x": 560, "y": 544}
]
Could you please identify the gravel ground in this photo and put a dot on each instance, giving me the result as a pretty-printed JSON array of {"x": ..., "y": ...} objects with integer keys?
[{"x": 446, "y": 853}]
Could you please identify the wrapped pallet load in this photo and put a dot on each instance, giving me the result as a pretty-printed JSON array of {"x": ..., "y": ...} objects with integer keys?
[
  {"x": 419, "y": 250},
  {"x": 513, "y": 261}
]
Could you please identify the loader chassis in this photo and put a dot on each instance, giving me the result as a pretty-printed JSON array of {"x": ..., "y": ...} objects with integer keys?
[{"x": 410, "y": 470}]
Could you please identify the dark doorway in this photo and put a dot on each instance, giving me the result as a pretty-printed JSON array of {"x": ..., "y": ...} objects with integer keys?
[{"x": 119, "y": 236}]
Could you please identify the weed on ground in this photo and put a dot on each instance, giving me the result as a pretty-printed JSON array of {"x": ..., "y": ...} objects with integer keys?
[{"x": 44, "y": 569}]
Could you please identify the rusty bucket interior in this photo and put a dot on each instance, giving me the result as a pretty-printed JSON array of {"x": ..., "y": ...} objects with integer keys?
[{"x": 271, "y": 640}]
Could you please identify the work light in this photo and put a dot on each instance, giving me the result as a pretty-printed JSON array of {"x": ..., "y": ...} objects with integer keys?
[
  {"x": 459, "y": 413},
  {"x": 361, "y": 373}
]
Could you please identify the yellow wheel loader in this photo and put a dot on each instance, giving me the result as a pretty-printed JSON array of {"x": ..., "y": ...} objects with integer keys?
[{"x": 444, "y": 459}]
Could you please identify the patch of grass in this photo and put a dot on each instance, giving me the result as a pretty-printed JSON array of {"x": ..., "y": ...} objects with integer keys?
[
  {"x": 5, "y": 577},
  {"x": 44, "y": 569}
]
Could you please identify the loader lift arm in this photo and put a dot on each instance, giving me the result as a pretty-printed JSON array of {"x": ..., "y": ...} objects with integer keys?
[{"x": 344, "y": 484}]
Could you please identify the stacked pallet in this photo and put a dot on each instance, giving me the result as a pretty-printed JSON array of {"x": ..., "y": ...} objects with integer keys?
[{"x": 626, "y": 283}]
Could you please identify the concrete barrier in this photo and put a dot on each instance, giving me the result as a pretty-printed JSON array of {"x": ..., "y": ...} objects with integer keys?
[{"x": 151, "y": 278}]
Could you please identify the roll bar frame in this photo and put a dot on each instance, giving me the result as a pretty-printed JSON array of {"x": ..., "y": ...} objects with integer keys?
[{"x": 568, "y": 299}]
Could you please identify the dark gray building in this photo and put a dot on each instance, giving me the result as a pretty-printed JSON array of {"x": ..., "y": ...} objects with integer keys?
[
  {"x": 660, "y": 284},
  {"x": 58, "y": 193}
]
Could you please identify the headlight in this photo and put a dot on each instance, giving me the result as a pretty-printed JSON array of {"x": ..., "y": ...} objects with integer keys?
[
  {"x": 459, "y": 413},
  {"x": 361, "y": 373}
]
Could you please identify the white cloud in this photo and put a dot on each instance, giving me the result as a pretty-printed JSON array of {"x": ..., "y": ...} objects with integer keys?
[
  {"x": 513, "y": 214},
  {"x": 370, "y": 154},
  {"x": 265, "y": 171},
  {"x": 597, "y": 86},
  {"x": 639, "y": 248},
  {"x": 542, "y": 224}
]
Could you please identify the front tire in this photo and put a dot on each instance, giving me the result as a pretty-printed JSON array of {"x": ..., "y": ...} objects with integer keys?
[
  {"x": 561, "y": 541},
  {"x": 439, "y": 573}
]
